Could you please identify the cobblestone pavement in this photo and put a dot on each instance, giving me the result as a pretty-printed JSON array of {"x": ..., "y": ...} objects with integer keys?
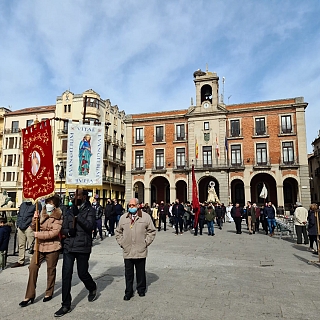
[{"x": 227, "y": 276}]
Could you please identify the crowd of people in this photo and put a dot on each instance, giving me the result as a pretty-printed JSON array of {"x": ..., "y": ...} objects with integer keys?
[{"x": 71, "y": 230}]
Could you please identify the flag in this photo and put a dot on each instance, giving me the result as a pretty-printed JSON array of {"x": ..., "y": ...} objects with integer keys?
[
  {"x": 264, "y": 192},
  {"x": 85, "y": 154},
  {"x": 217, "y": 147},
  {"x": 195, "y": 200},
  {"x": 197, "y": 149},
  {"x": 38, "y": 171}
]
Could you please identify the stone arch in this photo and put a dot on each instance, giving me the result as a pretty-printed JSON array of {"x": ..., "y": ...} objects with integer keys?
[
  {"x": 203, "y": 185},
  {"x": 256, "y": 185},
  {"x": 182, "y": 190},
  {"x": 160, "y": 189}
]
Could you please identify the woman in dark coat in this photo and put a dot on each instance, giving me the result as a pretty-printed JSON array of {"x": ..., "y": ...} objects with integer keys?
[{"x": 312, "y": 227}]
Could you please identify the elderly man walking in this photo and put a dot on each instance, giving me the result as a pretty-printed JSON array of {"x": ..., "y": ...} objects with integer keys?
[
  {"x": 300, "y": 221},
  {"x": 135, "y": 232}
]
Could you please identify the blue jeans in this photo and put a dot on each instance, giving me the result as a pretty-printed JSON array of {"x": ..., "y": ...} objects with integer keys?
[
  {"x": 271, "y": 224},
  {"x": 210, "y": 227}
]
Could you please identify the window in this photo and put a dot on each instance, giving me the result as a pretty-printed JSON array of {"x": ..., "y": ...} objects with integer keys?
[
  {"x": 207, "y": 156},
  {"x": 114, "y": 135},
  {"x": 15, "y": 126},
  {"x": 11, "y": 142},
  {"x": 65, "y": 127},
  {"x": 235, "y": 128},
  {"x": 261, "y": 152},
  {"x": 159, "y": 134},
  {"x": 8, "y": 176},
  {"x": 159, "y": 159},
  {"x": 286, "y": 124},
  {"x": 139, "y": 160},
  {"x": 114, "y": 155},
  {"x": 260, "y": 126},
  {"x": 180, "y": 130},
  {"x": 139, "y": 135},
  {"x": 67, "y": 108},
  {"x": 206, "y": 125},
  {"x": 121, "y": 155},
  {"x": 64, "y": 145},
  {"x": 29, "y": 123},
  {"x": 287, "y": 151},
  {"x": 236, "y": 155},
  {"x": 181, "y": 157},
  {"x": 114, "y": 173},
  {"x": 10, "y": 161}
]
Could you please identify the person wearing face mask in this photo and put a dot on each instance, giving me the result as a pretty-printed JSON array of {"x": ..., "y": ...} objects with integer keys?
[
  {"x": 50, "y": 223},
  {"x": 135, "y": 232},
  {"x": 178, "y": 212},
  {"x": 98, "y": 221},
  {"x": 25, "y": 232},
  {"x": 77, "y": 227}
]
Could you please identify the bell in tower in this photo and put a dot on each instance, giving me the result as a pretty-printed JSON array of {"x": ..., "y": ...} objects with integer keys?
[{"x": 206, "y": 93}]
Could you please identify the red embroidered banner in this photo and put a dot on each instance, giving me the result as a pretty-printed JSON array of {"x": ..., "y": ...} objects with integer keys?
[{"x": 38, "y": 172}]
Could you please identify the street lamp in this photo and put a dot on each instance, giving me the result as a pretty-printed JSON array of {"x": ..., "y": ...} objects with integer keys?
[{"x": 61, "y": 175}]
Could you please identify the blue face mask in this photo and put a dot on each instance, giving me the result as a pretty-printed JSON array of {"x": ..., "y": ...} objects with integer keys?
[{"x": 133, "y": 210}]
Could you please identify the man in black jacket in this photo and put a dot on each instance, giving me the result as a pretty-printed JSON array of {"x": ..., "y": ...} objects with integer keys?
[
  {"x": 98, "y": 221},
  {"x": 77, "y": 228},
  {"x": 163, "y": 212},
  {"x": 108, "y": 217},
  {"x": 178, "y": 212}
]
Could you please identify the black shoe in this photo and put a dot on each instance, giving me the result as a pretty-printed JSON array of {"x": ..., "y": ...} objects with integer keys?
[
  {"x": 62, "y": 311},
  {"x": 16, "y": 265},
  {"x": 92, "y": 295},
  {"x": 213, "y": 234},
  {"x": 141, "y": 294},
  {"x": 46, "y": 299},
  {"x": 24, "y": 303},
  {"x": 127, "y": 298},
  {"x": 316, "y": 252}
]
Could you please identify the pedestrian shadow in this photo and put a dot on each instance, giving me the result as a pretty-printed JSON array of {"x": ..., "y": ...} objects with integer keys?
[
  {"x": 299, "y": 247},
  {"x": 307, "y": 261}
]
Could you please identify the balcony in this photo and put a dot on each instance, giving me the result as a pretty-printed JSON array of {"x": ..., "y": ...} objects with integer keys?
[
  {"x": 235, "y": 133},
  {"x": 159, "y": 139},
  {"x": 137, "y": 169},
  {"x": 115, "y": 141},
  {"x": 139, "y": 141},
  {"x": 11, "y": 184},
  {"x": 287, "y": 131},
  {"x": 61, "y": 154},
  {"x": 237, "y": 165},
  {"x": 108, "y": 138},
  {"x": 159, "y": 169},
  {"x": 260, "y": 132},
  {"x": 13, "y": 130},
  {"x": 62, "y": 132},
  {"x": 113, "y": 180},
  {"x": 294, "y": 163},
  {"x": 262, "y": 164},
  {"x": 122, "y": 145},
  {"x": 180, "y": 138},
  {"x": 211, "y": 165},
  {"x": 179, "y": 167}
]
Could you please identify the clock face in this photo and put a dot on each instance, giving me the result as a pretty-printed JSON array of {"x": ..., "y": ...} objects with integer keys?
[{"x": 206, "y": 105}]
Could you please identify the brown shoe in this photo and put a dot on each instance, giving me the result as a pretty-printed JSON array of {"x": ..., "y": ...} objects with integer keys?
[{"x": 16, "y": 265}]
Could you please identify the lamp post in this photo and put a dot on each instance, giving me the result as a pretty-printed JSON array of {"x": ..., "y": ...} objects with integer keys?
[{"x": 61, "y": 175}]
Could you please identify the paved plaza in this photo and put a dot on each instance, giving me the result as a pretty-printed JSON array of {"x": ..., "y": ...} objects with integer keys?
[{"x": 227, "y": 276}]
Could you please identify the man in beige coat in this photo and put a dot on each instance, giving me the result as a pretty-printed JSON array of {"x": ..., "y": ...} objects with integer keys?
[
  {"x": 135, "y": 232},
  {"x": 300, "y": 221}
]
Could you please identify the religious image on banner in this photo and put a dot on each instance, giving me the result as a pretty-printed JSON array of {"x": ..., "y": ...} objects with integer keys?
[
  {"x": 85, "y": 154},
  {"x": 38, "y": 171}
]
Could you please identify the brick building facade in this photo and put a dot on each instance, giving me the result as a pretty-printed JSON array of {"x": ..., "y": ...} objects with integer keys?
[{"x": 238, "y": 147}]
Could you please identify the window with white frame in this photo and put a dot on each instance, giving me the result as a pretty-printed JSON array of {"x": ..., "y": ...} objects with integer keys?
[
  {"x": 180, "y": 132},
  {"x": 159, "y": 134},
  {"x": 236, "y": 155},
  {"x": 207, "y": 156},
  {"x": 159, "y": 158},
  {"x": 260, "y": 126},
  {"x": 261, "y": 154},
  {"x": 181, "y": 157},
  {"x": 235, "y": 128},
  {"x": 139, "y": 135},
  {"x": 288, "y": 152},
  {"x": 286, "y": 124},
  {"x": 139, "y": 163},
  {"x": 206, "y": 125}
]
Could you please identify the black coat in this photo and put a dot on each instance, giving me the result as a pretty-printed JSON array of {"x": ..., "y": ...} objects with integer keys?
[
  {"x": 4, "y": 237},
  {"x": 99, "y": 211},
  {"x": 219, "y": 211},
  {"x": 108, "y": 210},
  {"x": 312, "y": 227},
  {"x": 177, "y": 210},
  {"x": 84, "y": 224}
]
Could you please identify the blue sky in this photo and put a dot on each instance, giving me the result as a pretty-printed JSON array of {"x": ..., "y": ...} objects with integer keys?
[{"x": 141, "y": 54}]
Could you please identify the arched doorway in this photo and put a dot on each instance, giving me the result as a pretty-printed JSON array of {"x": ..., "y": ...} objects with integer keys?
[
  {"x": 237, "y": 192},
  {"x": 160, "y": 190},
  {"x": 256, "y": 186},
  {"x": 182, "y": 191},
  {"x": 138, "y": 191},
  {"x": 204, "y": 186},
  {"x": 290, "y": 192}
]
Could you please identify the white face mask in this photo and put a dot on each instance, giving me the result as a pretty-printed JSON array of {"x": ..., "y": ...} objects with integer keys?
[{"x": 49, "y": 207}]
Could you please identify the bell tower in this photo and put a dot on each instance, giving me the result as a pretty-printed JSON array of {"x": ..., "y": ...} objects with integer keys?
[{"x": 207, "y": 88}]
